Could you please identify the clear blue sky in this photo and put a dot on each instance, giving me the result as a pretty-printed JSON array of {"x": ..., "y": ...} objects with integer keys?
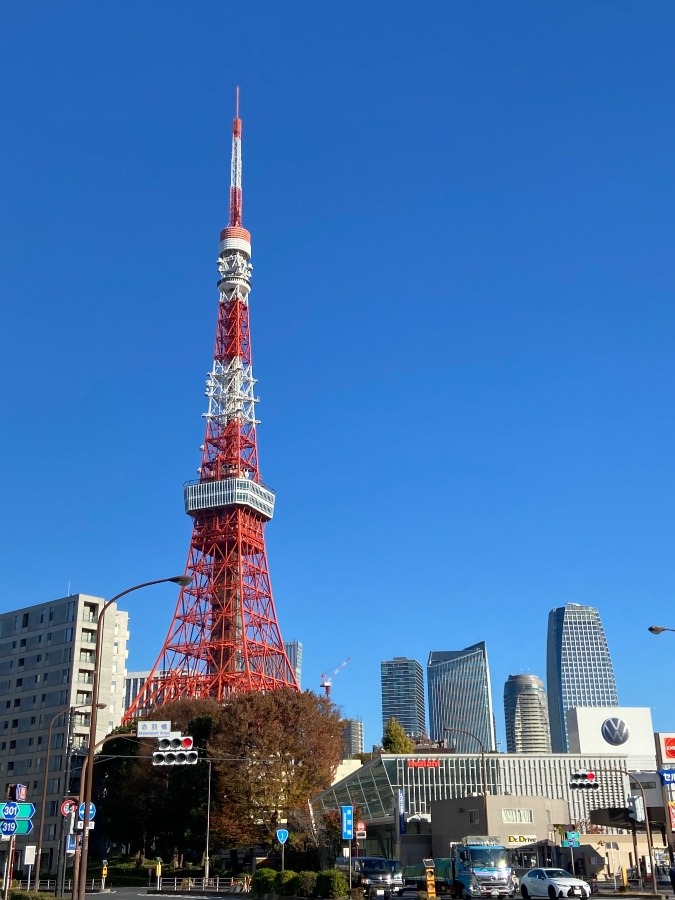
[{"x": 462, "y": 313}]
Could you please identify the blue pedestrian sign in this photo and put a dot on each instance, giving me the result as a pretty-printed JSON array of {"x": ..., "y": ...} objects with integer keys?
[
  {"x": 347, "y": 820},
  {"x": 92, "y": 811},
  {"x": 282, "y": 835}
]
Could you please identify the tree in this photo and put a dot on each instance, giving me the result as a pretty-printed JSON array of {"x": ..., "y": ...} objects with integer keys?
[
  {"x": 394, "y": 739},
  {"x": 281, "y": 748},
  {"x": 270, "y": 754}
]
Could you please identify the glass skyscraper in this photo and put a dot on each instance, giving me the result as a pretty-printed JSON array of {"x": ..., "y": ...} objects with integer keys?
[
  {"x": 579, "y": 668},
  {"x": 460, "y": 699},
  {"x": 526, "y": 715},
  {"x": 403, "y": 694}
]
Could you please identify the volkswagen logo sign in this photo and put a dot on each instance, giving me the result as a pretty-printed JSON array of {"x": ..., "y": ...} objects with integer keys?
[{"x": 615, "y": 731}]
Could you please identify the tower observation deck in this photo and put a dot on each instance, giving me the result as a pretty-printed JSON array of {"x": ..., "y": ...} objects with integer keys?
[{"x": 224, "y": 637}]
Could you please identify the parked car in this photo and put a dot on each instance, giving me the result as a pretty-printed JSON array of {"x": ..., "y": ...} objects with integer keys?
[{"x": 552, "y": 883}]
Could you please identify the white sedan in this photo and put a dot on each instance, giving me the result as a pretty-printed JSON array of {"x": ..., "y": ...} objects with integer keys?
[{"x": 552, "y": 883}]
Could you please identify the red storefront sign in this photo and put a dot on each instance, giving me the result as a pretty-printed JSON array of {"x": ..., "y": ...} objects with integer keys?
[{"x": 424, "y": 763}]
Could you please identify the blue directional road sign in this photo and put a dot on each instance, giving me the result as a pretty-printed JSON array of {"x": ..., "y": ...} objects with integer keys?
[
  {"x": 92, "y": 811},
  {"x": 10, "y": 810},
  {"x": 8, "y": 826},
  {"x": 282, "y": 835},
  {"x": 347, "y": 819}
]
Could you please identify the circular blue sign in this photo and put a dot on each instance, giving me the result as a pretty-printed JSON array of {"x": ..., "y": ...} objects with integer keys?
[{"x": 92, "y": 811}]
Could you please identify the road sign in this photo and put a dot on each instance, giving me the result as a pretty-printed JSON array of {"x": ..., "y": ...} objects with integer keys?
[
  {"x": 361, "y": 834},
  {"x": 68, "y": 807},
  {"x": 92, "y": 811},
  {"x": 667, "y": 776},
  {"x": 572, "y": 835},
  {"x": 566, "y": 843},
  {"x": 12, "y": 810},
  {"x": 347, "y": 819},
  {"x": 360, "y": 826},
  {"x": 80, "y": 825},
  {"x": 8, "y": 826},
  {"x": 70, "y": 844},
  {"x": 152, "y": 729},
  {"x": 24, "y": 826},
  {"x": 282, "y": 835}
]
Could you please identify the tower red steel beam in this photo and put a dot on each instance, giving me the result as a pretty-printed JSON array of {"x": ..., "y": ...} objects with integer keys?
[{"x": 224, "y": 638}]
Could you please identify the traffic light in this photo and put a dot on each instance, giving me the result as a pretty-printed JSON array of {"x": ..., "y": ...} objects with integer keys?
[
  {"x": 636, "y": 809},
  {"x": 585, "y": 781},
  {"x": 175, "y": 749}
]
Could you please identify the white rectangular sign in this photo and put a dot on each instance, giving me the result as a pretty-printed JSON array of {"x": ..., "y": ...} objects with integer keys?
[
  {"x": 148, "y": 728},
  {"x": 29, "y": 855}
]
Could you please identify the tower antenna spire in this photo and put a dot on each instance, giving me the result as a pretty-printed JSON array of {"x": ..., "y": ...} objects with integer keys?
[{"x": 235, "y": 176}]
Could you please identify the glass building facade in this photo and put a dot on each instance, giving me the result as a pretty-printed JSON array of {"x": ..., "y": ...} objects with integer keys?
[
  {"x": 294, "y": 653},
  {"x": 526, "y": 715},
  {"x": 460, "y": 698},
  {"x": 445, "y": 776},
  {"x": 402, "y": 683},
  {"x": 579, "y": 669}
]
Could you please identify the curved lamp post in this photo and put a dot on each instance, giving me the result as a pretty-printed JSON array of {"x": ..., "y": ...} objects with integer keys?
[
  {"x": 183, "y": 581},
  {"x": 483, "y": 774}
]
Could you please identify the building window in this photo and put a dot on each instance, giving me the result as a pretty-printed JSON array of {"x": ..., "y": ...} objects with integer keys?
[
  {"x": 12, "y": 746},
  {"x": 474, "y": 817},
  {"x": 517, "y": 816},
  {"x": 10, "y": 767},
  {"x": 22, "y": 662},
  {"x": 15, "y": 723},
  {"x": 24, "y": 620},
  {"x": 22, "y": 643}
]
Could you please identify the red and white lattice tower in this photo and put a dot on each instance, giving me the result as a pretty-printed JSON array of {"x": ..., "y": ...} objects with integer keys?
[{"x": 224, "y": 638}]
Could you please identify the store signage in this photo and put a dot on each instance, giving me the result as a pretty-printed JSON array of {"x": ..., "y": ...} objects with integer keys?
[
  {"x": 669, "y": 747},
  {"x": 522, "y": 839},
  {"x": 424, "y": 763}
]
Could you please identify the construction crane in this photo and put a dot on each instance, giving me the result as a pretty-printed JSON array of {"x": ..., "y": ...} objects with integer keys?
[{"x": 327, "y": 677}]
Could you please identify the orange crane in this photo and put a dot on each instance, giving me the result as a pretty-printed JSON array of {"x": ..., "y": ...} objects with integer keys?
[{"x": 327, "y": 677}]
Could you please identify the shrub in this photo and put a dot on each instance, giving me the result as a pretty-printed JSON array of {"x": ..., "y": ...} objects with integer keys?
[
  {"x": 306, "y": 885},
  {"x": 18, "y": 894},
  {"x": 285, "y": 883},
  {"x": 263, "y": 881},
  {"x": 356, "y": 894},
  {"x": 331, "y": 884}
]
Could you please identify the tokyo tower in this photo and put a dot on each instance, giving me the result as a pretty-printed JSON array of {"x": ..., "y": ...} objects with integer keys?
[{"x": 224, "y": 638}]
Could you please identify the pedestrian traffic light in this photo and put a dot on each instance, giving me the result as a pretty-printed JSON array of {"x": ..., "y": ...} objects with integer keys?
[
  {"x": 584, "y": 781},
  {"x": 175, "y": 749}
]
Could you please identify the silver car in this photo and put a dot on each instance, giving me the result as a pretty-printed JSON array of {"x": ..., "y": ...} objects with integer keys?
[{"x": 552, "y": 883}]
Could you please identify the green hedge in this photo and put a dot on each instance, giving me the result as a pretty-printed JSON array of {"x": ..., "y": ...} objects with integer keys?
[
  {"x": 286, "y": 883},
  {"x": 332, "y": 884},
  {"x": 18, "y": 894},
  {"x": 263, "y": 881},
  {"x": 306, "y": 884}
]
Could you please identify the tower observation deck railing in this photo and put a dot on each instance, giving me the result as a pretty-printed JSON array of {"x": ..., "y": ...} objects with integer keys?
[{"x": 201, "y": 495}]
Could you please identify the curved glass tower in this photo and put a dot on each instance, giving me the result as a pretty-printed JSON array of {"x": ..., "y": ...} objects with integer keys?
[
  {"x": 526, "y": 715},
  {"x": 460, "y": 699},
  {"x": 579, "y": 669}
]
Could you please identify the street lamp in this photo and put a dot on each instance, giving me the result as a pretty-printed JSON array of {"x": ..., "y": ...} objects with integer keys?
[
  {"x": 61, "y": 712},
  {"x": 183, "y": 581},
  {"x": 483, "y": 774},
  {"x": 658, "y": 629}
]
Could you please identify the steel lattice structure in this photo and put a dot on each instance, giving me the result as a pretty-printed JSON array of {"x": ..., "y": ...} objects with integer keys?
[{"x": 224, "y": 637}]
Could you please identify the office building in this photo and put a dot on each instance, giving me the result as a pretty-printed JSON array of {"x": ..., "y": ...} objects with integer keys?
[
  {"x": 294, "y": 653},
  {"x": 526, "y": 715},
  {"x": 352, "y": 738},
  {"x": 46, "y": 677},
  {"x": 579, "y": 670},
  {"x": 133, "y": 682},
  {"x": 402, "y": 682},
  {"x": 460, "y": 699}
]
